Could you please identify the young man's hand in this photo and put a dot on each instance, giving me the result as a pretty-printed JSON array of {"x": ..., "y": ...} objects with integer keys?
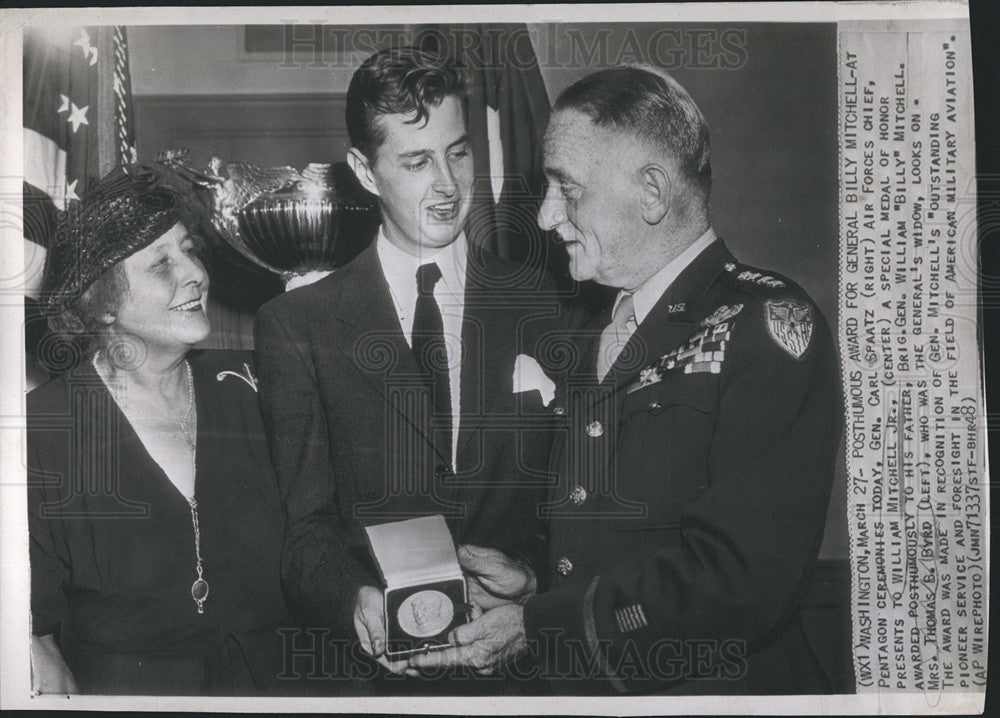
[{"x": 369, "y": 624}]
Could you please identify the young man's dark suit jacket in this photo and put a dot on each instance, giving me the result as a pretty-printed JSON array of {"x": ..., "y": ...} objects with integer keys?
[{"x": 338, "y": 389}]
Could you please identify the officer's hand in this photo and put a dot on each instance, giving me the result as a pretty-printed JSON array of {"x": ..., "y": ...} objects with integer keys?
[
  {"x": 369, "y": 624},
  {"x": 492, "y": 640},
  {"x": 494, "y": 578}
]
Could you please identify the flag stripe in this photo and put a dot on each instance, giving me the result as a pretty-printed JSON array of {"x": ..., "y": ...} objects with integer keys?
[
  {"x": 496, "y": 152},
  {"x": 45, "y": 166},
  {"x": 34, "y": 269},
  {"x": 46, "y": 82}
]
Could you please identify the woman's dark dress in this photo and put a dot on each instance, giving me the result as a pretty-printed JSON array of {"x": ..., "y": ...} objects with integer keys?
[{"x": 112, "y": 543}]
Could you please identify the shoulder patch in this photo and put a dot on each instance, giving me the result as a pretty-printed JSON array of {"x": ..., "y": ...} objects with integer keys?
[
  {"x": 790, "y": 324},
  {"x": 721, "y": 314}
]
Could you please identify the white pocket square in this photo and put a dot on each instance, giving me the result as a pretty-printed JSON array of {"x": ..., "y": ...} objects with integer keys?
[{"x": 528, "y": 375}]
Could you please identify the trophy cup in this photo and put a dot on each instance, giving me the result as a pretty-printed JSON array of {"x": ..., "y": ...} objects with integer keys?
[{"x": 299, "y": 225}]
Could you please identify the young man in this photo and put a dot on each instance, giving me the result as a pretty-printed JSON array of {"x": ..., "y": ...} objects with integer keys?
[
  {"x": 695, "y": 474},
  {"x": 388, "y": 387}
]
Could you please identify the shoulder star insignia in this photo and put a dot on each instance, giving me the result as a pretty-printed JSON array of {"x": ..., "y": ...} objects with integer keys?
[{"x": 761, "y": 279}]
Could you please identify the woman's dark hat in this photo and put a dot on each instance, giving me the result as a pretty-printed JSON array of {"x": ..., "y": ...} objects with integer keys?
[{"x": 125, "y": 212}]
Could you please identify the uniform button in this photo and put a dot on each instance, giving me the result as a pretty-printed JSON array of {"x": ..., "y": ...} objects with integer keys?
[
  {"x": 578, "y": 495},
  {"x": 595, "y": 429},
  {"x": 564, "y": 566},
  {"x": 559, "y": 411},
  {"x": 654, "y": 405}
]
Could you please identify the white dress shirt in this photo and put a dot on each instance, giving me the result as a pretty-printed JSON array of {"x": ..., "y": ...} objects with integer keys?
[
  {"x": 400, "y": 270},
  {"x": 645, "y": 297}
]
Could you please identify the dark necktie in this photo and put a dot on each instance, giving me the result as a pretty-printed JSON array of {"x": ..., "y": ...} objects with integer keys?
[{"x": 431, "y": 355}]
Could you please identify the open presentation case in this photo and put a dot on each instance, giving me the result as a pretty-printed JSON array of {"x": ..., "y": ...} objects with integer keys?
[{"x": 425, "y": 591}]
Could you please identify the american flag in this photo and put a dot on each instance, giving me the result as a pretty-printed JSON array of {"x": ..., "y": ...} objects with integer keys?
[
  {"x": 508, "y": 111},
  {"x": 78, "y": 124}
]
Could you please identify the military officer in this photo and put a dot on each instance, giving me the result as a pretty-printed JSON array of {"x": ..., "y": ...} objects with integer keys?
[{"x": 701, "y": 432}]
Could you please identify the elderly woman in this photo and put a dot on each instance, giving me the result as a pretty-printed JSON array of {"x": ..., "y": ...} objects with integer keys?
[{"x": 155, "y": 522}]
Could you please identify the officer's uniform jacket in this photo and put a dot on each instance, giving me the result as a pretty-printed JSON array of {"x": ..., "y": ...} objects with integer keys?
[{"x": 694, "y": 483}]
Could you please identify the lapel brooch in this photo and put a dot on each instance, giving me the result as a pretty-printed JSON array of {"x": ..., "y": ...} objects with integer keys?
[{"x": 248, "y": 377}]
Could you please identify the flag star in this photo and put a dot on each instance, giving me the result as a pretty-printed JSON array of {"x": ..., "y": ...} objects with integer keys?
[
  {"x": 88, "y": 49},
  {"x": 78, "y": 116},
  {"x": 71, "y": 191},
  {"x": 64, "y": 107},
  {"x": 84, "y": 39}
]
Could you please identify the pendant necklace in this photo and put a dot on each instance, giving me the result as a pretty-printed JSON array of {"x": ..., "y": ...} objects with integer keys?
[
  {"x": 188, "y": 426},
  {"x": 199, "y": 589}
]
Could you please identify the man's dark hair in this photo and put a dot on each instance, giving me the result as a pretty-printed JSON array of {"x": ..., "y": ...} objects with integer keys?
[
  {"x": 400, "y": 80},
  {"x": 650, "y": 105}
]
